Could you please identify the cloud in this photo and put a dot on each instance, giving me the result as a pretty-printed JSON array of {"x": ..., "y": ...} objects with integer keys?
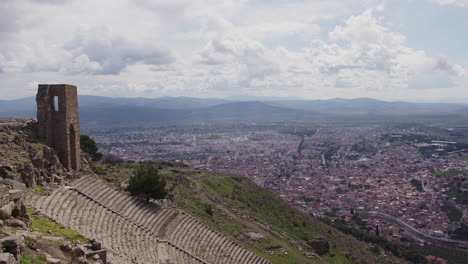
[
  {"x": 364, "y": 53},
  {"x": 166, "y": 7},
  {"x": 53, "y": 2},
  {"x": 361, "y": 55},
  {"x": 431, "y": 81},
  {"x": 282, "y": 29},
  {"x": 249, "y": 57},
  {"x": 461, "y": 3},
  {"x": 10, "y": 19},
  {"x": 98, "y": 51},
  {"x": 312, "y": 49},
  {"x": 442, "y": 64},
  {"x": 342, "y": 83}
]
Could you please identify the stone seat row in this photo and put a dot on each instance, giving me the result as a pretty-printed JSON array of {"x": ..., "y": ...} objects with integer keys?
[
  {"x": 186, "y": 232},
  {"x": 127, "y": 242}
]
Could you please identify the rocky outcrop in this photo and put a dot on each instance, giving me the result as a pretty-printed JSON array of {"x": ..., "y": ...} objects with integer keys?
[
  {"x": 14, "y": 245},
  {"x": 12, "y": 205},
  {"x": 7, "y": 258},
  {"x": 25, "y": 159}
]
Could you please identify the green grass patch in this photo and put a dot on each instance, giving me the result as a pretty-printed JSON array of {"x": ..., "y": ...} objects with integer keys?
[
  {"x": 449, "y": 173},
  {"x": 337, "y": 259},
  {"x": 188, "y": 201},
  {"x": 264, "y": 205},
  {"x": 39, "y": 190},
  {"x": 42, "y": 225},
  {"x": 327, "y": 140},
  {"x": 31, "y": 257},
  {"x": 188, "y": 198}
]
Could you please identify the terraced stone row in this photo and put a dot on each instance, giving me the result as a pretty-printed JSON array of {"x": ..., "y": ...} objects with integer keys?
[
  {"x": 128, "y": 242},
  {"x": 191, "y": 235},
  {"x": 177, "y": 227},
  {"x": 208, "y": 244},
  {"x": 141, "y": 212}
]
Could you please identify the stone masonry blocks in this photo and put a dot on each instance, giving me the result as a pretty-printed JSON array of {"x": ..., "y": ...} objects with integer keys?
[{"x": 58, "y": 121}]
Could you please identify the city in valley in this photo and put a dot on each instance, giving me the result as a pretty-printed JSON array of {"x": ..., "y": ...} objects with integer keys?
[{"x": 398, "y": 180}]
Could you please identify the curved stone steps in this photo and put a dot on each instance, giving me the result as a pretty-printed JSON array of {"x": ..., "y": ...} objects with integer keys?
[
  {"x": 65, "y": 217},
  {"x": 99, "y": 228},
  {"x": 199, "y": 239},
  {"x": 102, "y": 207},
  {"x": 134, "y": 208},
  {"x": 57, "y": 203},
  {"x": 115, "y": 232}
]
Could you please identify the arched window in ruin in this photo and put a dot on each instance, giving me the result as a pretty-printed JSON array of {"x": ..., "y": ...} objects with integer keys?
[{"x": 73, "y": 137}]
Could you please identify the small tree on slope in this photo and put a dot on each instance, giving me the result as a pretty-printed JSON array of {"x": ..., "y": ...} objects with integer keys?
[
  {"x": 147, "y": 183},
  {"x": 88, "y": 145}
]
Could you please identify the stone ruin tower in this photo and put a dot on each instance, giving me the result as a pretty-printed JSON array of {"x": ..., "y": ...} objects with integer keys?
[{"x": 58, "y": 123}]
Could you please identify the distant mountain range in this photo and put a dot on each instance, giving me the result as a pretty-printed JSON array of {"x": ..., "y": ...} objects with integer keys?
[{"x": 99, "y": 109}]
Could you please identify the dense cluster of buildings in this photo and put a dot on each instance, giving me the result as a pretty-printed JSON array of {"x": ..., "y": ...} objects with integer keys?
[{"x": 338, "y": 172}]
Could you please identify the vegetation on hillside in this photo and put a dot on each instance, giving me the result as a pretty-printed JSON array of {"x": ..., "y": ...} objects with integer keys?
[
  {"x": 287, "y": 230},
  {"x": 147, "y": 183},
  {"x": 413, "y": 255},
  {"x": 255, "y": 218},
  {"x": 452, "y": 212},
  {"x": 449, "y": 173},
  {"x": 88, "y": 145},
  {"x": 45, "y": 240},
  {"x": 44, "y": 226},
  {"x": 417, "y": 184}
]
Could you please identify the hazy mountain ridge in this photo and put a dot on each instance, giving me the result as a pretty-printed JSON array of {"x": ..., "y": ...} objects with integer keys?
[
  {"x": 115, "y": 110},
  {"x": 371, "y": 106},
  {"x": 247, "y": 110}
]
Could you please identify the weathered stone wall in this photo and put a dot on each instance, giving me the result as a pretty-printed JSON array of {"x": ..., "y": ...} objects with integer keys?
[
  {"x": 23, "y": 159},
  {"x": 59, "y": 125}
]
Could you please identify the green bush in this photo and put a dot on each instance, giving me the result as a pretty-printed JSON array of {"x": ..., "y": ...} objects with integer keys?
[
  {"x": 88, "y": 145},
  {"x": 147, "y": 183},
  {"x": 453, "y": 213}
]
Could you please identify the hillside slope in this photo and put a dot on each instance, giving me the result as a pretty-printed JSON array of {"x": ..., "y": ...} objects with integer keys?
[
  {"x": 248, "y": 215},
  {"x": 256, "y": 218}
]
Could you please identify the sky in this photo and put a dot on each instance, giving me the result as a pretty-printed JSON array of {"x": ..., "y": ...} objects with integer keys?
[{"x": 413, "y": 50}]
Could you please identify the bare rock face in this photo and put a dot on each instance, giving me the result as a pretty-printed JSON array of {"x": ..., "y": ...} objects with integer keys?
[
  {"x": 253, "y": 236},
  {"x": 14, "y": 245},
  {"x": 79, "y": 254},
  {"x": 25, "y": 159},
  {"x": 7, "y": 258},
  {"x": 6, "y": 210},
  {"x": 16, "y": 223}
]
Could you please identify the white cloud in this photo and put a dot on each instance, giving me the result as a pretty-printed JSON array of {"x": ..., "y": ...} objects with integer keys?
[
  {"x": 215, "y": 48},
  {"x": 98, "y": 50},
  {"x": 431, "y": 81},
  {"x": 453, "y": 2},
  {"x": 282, "y": 29}
]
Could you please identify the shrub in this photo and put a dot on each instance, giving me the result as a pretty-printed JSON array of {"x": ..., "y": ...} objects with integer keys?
[
  {"x": 88, "y": 145},
  {"x": 147, "y": 183},
  {"x": 209, "y": 209}
]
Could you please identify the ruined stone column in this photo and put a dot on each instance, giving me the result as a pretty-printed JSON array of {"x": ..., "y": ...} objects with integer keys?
[{"x": 58, "y": 121}]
